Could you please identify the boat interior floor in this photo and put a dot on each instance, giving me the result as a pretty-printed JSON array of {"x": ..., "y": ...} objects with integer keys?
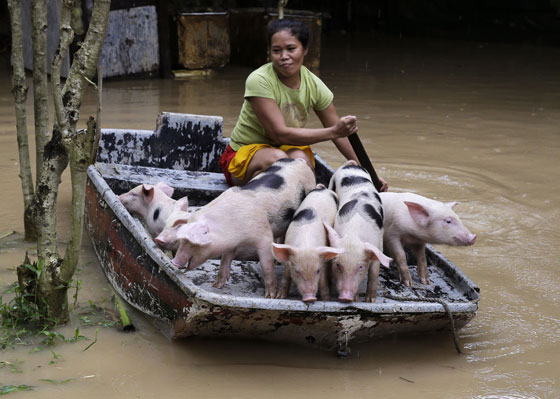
[
  {"x": 246, "y": 281},
  {"x": 245, "y": 277}
]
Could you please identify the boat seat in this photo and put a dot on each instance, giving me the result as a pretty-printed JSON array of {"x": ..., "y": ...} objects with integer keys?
[{"x": 199, "y": 186}]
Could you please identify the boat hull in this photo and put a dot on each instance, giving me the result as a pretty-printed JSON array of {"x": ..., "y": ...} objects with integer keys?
[{"x": 184, "y": 304}]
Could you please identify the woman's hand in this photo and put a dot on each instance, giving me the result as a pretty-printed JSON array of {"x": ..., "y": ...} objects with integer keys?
[
  {"x": 345, "y": 126},
  {"x": 384, "y": 185}
]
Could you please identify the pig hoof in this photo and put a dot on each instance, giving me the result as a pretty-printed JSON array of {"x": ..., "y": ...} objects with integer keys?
[
  {"x": 281, "y": 295},
  {"x": 219, "y": 284},
  {"x": 425, "y": 280},
  {"x": 268, "y": 293}
]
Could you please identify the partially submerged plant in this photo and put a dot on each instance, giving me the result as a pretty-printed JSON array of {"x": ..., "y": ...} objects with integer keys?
[{"x": 24, "y": 322}]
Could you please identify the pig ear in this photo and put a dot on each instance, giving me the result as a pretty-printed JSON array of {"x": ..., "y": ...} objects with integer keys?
[
  {"x": 328, "y": 253},
  {"x": 195, "y": 233},
  {"x": 183, "y": 220},
  {"x": 375, "y": 253},
  {"x": 452, "y": 204},
  {"x": 333, "y": 235},
  {"x": 148, "y": 192},
  {"x": 282, "y": 252},
  {"x": 182, "y": 204},
  {"x": 418, "y": 213},
  {"x": 167, "y": 190}
]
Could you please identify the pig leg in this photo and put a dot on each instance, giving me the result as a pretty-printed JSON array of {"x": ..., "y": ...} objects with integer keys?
[
  {"x": 324, "y": 283},
  {"x": 419, "y": 251},
  {"x": 225, "y": 267},
  {"x": 182, "y": 257},
  {"x": 267, "y": 265},
  {"x": 285, "y": 284},
  {"x": 373, "y": 278},
  {"x": 396, "y": 249}
]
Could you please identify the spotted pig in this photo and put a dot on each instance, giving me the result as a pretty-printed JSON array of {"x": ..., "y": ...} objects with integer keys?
[
  {"x": 358, "y": 228},
  {"x": 305, "y": 249},
  {"x": 153, "y": 204},
  {"x": 244, "y": 217}
]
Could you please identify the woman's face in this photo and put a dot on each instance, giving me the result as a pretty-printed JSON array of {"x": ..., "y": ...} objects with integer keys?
[{"x": 286, "y": 53}]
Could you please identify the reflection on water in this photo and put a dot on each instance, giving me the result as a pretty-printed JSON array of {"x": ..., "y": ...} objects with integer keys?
[{"x": 458, "y": 121}]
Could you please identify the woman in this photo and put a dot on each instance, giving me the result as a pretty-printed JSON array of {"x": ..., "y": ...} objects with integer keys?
[{"x": 278, "y": 98}]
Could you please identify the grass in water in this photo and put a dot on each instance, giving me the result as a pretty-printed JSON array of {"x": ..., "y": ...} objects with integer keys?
[{"x": 6, "y": 389}]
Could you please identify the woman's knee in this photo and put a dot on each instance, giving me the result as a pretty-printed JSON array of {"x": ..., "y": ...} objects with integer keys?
[
  {"x": 262, "y": 160},
  {"x": 297, "y": 153},
  {"x": 276, "y": 154},
  {"x": 267, "y": 156}
]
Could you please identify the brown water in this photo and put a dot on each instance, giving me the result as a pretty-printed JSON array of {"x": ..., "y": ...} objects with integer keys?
[{"x": 478, "y": 123}]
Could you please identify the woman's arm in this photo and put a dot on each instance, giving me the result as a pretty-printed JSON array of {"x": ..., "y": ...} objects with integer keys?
[{"x": 271, "y": 118}]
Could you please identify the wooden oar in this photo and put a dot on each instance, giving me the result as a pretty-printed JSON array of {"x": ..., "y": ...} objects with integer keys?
[{"x": 364, "y": 159}]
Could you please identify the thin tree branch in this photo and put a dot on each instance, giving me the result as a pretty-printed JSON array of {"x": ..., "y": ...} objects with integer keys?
[
  {"x": 40, "y": 80},
  {"x": 19, "y": 90},
  {"x": 66, "y": 37},
  {"x": 85, "y": 60},
  {"x": 93, "y": 154},
  {"x": 83, "y": 147},
  {"x": 79, "y": 161}
]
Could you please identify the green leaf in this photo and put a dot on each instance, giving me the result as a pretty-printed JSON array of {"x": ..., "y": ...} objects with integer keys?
[
  {"x": 32, "y": 268},
  {"x": 6, "y": 389},
  {"x": 94, "y": 341},
  {"x": 77, "y": 336},
  {"x": 13, "y": 365}
]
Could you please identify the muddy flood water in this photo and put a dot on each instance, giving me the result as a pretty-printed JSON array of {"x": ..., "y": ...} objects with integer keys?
[{"x": 473, "y": 122}]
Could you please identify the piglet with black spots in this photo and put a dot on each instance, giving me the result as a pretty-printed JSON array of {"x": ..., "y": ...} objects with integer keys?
[
  {"x": 414, "y": 221},
  {"x": 305, "y": 251},
  {"x": 153, "y": 204},
  {"x": 242, "y": 219},
  {"x": 358, "y": 228}
]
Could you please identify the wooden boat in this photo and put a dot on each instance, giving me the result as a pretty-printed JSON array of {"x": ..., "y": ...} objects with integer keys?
[{"x": 184, "y": 151}]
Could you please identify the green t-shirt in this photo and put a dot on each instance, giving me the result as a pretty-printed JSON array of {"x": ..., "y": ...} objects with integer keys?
[{"x": 294, "y": 104}]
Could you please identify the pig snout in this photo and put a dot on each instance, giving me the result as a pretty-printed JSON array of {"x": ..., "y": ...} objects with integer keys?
[
  {"x": 309, "y": 298},
  {"x": 162, "y": 243},
  {"x": 466, "y": 240},
  {"x": 178, "y": 263},
  {"x": 345, "y": 296},
  {"x": 126, "y": 200}
]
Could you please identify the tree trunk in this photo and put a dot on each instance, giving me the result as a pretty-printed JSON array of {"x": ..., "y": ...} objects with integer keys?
[
  {"x": 78, "y": 149},
  {"x": 84, "y": 146},
  {"x": 19, "y": 90},
  {"x": 53, "y": 300},
  {"x": 64, "y": 145},
  {"x": 83, "y": 154},
  {"x": 40, "y": 78}
]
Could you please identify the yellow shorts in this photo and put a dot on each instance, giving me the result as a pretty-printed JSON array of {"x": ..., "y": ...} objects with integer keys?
[{"x": 238, "y": 165}]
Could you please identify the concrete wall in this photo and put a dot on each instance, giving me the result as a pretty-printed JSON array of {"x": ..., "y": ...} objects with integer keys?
[{"x": 131, "y": 44}]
